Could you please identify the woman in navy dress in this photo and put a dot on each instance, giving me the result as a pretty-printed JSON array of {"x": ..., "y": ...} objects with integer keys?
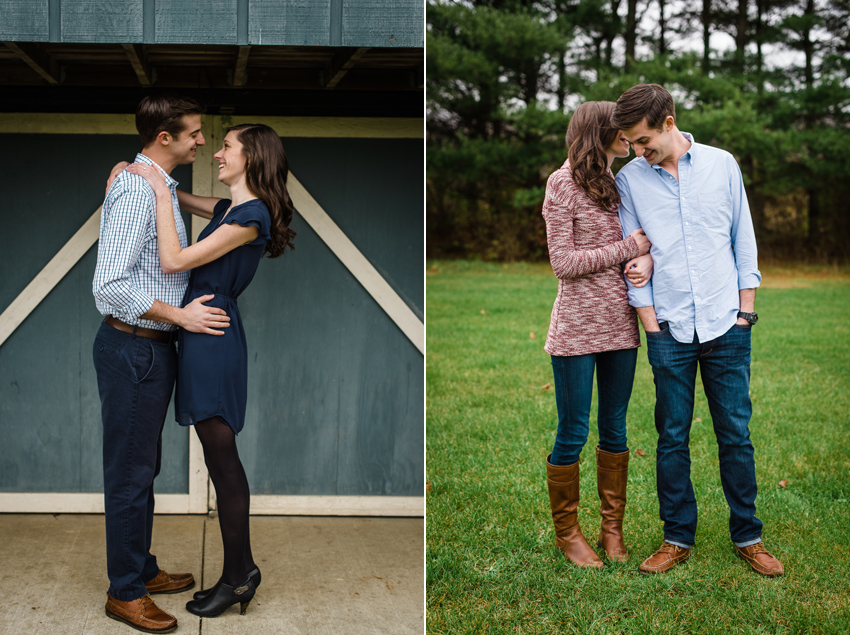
[{"x": 212, "y": 369}]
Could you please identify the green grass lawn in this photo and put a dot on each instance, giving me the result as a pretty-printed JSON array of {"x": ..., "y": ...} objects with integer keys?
[{"x": 492, "y": 563}]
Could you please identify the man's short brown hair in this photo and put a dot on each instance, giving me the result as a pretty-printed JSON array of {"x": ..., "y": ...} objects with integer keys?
[
  {"x": 649, "y": 101},
  {"x": 164, "y": 112}
]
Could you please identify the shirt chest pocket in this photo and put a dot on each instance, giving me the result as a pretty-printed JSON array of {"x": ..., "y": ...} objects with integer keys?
[{"x": 715, "y": 210}]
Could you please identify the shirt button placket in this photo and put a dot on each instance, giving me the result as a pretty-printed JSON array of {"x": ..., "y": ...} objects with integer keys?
[{"x": 689, "y": 239}]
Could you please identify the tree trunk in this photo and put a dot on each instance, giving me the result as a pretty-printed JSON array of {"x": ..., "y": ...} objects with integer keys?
[
  {"x": 662, "y": 26},
  {"x": 741, "y": 35},
  {"x": 561, "y": 92},
  {"x": 631, "y": 33},
  {"x": 705, "y": 18},
  {"x": 814, "y": 198},
  {"x": 759, "y": 35},
  {"x": 808, "y": 45},
  {"x": 754, "y": 196},
  {"x": 814, "y": 217}
]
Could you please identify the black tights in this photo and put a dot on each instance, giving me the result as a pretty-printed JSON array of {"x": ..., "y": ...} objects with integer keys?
[{"x": 233, "y": 495}]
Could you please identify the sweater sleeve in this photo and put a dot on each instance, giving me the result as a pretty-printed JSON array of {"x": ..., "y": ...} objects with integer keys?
[{"x": 567, "y": 261}]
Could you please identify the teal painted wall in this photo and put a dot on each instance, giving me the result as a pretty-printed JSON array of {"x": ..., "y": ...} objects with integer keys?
[
  {"x": 336, "y": 391},
  {"x": 360, "y": 23}
]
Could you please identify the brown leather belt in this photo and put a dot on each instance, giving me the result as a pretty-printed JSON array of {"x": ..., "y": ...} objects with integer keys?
[{"x": 141, "y": 331}]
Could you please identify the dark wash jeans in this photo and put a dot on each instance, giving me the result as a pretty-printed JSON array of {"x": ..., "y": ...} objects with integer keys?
[
  {"x": 135, "y": 378},
  {"x": 724, "y": 365},
  {"x": 615, "y": 374}
]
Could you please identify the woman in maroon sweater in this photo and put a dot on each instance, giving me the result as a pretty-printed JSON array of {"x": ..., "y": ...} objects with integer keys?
[{"x": 592, "y": 326}]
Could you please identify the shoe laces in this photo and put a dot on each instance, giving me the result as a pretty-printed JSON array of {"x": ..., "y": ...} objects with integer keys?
[
  {"x": 757, "y": 548},
  {"x": 666, "y": 547},
  {"x": 144, "y": 601}
]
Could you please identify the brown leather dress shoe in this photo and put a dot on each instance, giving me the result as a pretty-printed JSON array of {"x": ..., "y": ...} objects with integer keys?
[
  {"x": 761, "y": 560},
  {"x": 667, "y": 557},
  {"x": 142, "y": 614},
  {"x": 165, "y": 582}
]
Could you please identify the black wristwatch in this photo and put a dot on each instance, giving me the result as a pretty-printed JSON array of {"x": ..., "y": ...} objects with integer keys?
[{"x": 752, "y": 318}]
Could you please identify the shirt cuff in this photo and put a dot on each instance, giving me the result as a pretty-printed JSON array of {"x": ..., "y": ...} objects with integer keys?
[
  {"x": 641, "y": 296},
  {"x": 140, "y": 304},
  {"x": 749, "y": 280}
]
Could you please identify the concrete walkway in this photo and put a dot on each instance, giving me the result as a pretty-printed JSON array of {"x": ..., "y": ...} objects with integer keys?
[{"x": 320, "y": 575}]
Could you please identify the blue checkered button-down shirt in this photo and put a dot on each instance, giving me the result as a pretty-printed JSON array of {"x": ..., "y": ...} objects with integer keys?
[
  {"x": 703, "y": 244},
  {"x": 128, "y": 276}
]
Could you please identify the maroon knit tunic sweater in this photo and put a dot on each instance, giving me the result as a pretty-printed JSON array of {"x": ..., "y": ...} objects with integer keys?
[{"x": 586, "y": 248}]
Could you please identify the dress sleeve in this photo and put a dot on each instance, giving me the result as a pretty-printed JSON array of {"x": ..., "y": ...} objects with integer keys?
[
  {"x": 567, "y": 261},
  {"x": 255, "y": 213}
]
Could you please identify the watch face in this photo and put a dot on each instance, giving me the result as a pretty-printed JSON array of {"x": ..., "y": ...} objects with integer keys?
[{"x": 754, "y": 317}]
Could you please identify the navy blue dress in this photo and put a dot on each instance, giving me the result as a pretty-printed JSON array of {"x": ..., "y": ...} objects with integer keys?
[{"x": 212, "y": 370}]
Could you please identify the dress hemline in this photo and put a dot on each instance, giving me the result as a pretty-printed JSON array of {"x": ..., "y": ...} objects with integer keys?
[{"x": 187, "y": 421}]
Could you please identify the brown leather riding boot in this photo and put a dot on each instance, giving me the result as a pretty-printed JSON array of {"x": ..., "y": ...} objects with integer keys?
[
  {"x": 612, "y": 472},
  {"x": 563, "y": 497}
]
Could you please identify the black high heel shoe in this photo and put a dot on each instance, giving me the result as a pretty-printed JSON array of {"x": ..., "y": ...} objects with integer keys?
[
  {"x": 221, "y": 597},
  {"x": 254, "y": 574}
]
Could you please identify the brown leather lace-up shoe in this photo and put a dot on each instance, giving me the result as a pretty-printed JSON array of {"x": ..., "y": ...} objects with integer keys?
[
  {"x": 761, "y": 560},
  {"x": 142, "y": 614},
  {"x": 165, "y": 582},
  {"x": 667, "y": 557}
]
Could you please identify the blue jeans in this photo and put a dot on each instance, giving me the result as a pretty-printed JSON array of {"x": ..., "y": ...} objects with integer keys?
[
  {"x": 615, "y": 374},
  {"x": 724, "y": 364},
  {"x": 135, "y": 378}
]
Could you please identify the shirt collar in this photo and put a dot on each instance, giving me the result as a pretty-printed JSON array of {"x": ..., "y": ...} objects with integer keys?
[
  {"x": 141, "y": 158},
  {"x": 692, "y": 151}
]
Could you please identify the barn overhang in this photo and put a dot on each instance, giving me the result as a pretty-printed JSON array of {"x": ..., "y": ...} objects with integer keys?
[{"x": 284, "y": 57}]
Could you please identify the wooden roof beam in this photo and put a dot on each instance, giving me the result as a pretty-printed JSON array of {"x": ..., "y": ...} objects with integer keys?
[
  {"x": 36, "y": 59},
  {"x": 241, "y": 65},
  {"x": 140, "y": 63},
  {"x": 341, "y": 63}
]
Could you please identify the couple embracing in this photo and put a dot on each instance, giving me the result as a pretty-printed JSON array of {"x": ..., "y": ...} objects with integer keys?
[
  {"x": 677, "y": 216},
  {"x": 144, "y": 289}
]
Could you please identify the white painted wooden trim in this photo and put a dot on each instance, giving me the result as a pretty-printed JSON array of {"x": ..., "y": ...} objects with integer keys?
[
  {"x": 49, "y": 276},
  {"x": 198, "y": 476},
  {"x": 53, "y": 503},
  {"x": 337, "y": 506},
  {"x": 336, "y": 127},
  {"x": 357, "y": 264},
  {"x": 67, "y": 123},
  {"x": 340, "y": 127}
]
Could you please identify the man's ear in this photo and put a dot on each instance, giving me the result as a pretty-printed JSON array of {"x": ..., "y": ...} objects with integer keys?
[
  {"x": 164, "y": 138},
  {"x": 669, "y": 122}
]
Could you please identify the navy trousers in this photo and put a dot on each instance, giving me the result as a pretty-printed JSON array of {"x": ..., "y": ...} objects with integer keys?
[
  {"x": 135, "y": 379},
  {"x": 724, "y": 365}
]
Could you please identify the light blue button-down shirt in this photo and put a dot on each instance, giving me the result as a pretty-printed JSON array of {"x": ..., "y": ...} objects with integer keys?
[
  {"x": 128, "y": 276},
  {"x": 703, "y": 244}
]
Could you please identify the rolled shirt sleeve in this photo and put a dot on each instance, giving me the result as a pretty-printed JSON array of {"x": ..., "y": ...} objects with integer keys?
[
  {"x": 638, "y": 296},
  {"x": 743, "y": 235},
  {"x": 123, "y": 234}
]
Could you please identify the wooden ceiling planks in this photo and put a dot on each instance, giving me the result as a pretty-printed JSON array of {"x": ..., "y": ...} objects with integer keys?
[{"x": 219, "y": 66}]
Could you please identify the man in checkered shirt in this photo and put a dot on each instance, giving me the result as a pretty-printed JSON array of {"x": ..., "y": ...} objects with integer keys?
[{"x": 136, "y": 359}]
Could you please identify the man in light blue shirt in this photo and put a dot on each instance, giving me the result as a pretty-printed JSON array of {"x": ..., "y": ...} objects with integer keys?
[{"x": 697, "y": 310}]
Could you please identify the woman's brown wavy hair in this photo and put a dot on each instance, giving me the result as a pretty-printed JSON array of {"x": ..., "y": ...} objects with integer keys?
[
  {"x": 266, "y": 170},
  {"x": 589, "y": 134}
]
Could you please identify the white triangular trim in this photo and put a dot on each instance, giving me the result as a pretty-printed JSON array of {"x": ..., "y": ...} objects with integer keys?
[
  {"x": 50, "y": 276},
  {"x": 356, "y": 263}
]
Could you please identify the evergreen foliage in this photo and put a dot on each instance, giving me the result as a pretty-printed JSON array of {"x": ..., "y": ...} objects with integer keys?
[{"x": 504, "y": 75}]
